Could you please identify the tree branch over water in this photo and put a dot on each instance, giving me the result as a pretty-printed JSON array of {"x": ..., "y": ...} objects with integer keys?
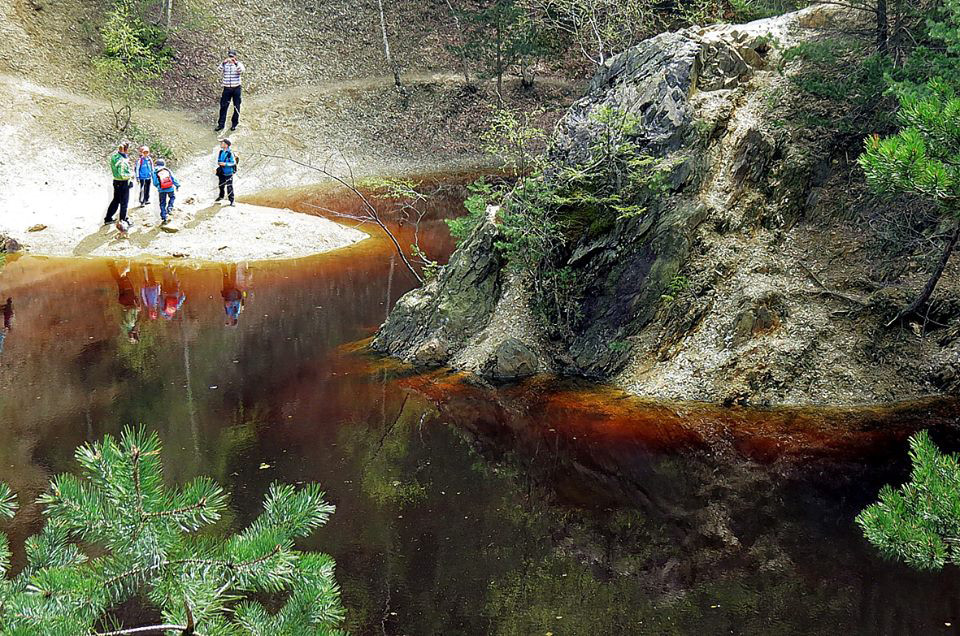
[{"x": 368, "y": 212}]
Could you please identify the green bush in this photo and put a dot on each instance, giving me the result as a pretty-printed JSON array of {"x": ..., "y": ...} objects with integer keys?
[
  {"x": 481, "y": 193},
  {"x": 550, "y": 212}
]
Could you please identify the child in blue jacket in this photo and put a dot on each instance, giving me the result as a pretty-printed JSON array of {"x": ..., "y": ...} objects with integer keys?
[
  {"x": 144, "y": 173},
  {"x": 167, "y": 185},
  {"x": 226, "y": 168}
]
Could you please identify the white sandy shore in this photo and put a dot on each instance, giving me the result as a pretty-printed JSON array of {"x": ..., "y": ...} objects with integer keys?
[{"x": 213, "y": 233}]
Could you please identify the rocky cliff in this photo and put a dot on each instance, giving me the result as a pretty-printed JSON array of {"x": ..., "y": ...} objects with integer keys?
[{"x": 736, "y": 287}]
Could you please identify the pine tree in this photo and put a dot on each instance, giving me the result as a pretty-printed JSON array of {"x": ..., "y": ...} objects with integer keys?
[
  {"x": 118, "y": 535},
  {"x": 919, "y": 523},
  {"x": 923, "y": 159}
]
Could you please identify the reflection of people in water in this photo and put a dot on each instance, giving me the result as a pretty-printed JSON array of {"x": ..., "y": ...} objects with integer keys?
[
  {"x": 150, "y": 293},
  {"x": 173, "y": 297},
  {"x": 129, "y": 301},
  {"x": 233, "y": 292},
  {"x": 7, "y": 321}
]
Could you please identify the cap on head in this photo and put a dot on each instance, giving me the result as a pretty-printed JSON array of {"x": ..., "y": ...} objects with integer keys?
[
  {"x": 161, "y": 163},
  {"x": 123, "y": 146},
  {"x": 226, "y": 141},
  {"x": 232, "y": 53}
]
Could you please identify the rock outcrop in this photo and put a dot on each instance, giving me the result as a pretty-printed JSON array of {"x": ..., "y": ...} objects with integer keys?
[
  {"x": 8, "y": 245},
  {"x": 711, "y": 294}
]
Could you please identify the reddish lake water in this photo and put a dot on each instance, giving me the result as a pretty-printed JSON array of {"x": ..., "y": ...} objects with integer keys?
[{"x": 546, "y": 507}]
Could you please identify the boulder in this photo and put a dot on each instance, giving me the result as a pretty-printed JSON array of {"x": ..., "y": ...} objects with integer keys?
[
  {"x": 451, "y": 308},
  {"x": 9, "y": 245},
  {"x": 512, "y": 359}
]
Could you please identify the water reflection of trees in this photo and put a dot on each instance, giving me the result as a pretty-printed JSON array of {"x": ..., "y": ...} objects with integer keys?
[{"x": 622, "y": 538}]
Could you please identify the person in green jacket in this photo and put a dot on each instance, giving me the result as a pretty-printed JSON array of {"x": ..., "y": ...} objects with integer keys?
[{"x": 122, "y": 182}]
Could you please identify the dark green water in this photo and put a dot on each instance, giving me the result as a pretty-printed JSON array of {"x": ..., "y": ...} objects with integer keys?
[{"x": 537, "y": 509}]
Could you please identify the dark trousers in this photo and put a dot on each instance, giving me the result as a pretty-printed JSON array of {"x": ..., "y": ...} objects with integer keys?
[
  {"x": 144, "y": 191},
  {"x": 121, "y": 197},
  {"x": 229, "y": 93},
  {"x": 166, "y": 203},
  {"x": 226, "y": 181}
]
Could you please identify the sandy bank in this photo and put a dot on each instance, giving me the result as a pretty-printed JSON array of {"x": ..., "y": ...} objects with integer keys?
[{"x": 207, "y": 233}]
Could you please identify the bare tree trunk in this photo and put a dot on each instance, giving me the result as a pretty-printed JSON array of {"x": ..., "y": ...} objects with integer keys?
[
  {"x": 526, "y": 74},
  {"x": 883, "y": 34},
  {"x": 931, "y": 285},
  {"x": 386, "y": 47},
  {"x": 169, "y": 13},
  {"x": 499, "y": 61},
  {"x": 463, "y": 44}
]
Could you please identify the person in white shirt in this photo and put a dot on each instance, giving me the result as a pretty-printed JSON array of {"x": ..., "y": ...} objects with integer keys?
[{"x": 231, "y": 70}]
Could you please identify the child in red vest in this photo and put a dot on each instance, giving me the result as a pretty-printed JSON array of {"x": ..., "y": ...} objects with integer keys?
[{"x": 167, "y": 185}]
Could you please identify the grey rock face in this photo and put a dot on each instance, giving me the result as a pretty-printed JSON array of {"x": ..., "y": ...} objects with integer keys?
[
  {"x": 625, "y": 268},
  {"x": 427, "y": 324},
  {"x": 652, "y": 81}
]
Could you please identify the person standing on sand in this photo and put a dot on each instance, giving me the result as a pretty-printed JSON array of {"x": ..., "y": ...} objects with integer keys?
[
  {"x": 226, "y": 167},
  {"x": 230, "y": 71},
  {"x": 122, "y": 175},
  {"x": 144, "y": 174}
]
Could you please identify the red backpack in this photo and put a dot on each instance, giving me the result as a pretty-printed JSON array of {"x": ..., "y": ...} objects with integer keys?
[{"x": 165, "y": 178}]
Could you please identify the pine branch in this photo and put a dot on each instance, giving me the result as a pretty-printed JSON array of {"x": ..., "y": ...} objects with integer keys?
[{"x": 151, "y": 629}]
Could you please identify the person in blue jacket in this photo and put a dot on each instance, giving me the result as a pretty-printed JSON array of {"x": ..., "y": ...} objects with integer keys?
[
  {"x": 144, "y": 174},
  {"x": 226, "y": 168},
  {"x": 167, "y": 185}
]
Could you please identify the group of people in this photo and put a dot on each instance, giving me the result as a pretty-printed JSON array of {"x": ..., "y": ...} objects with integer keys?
[
  {"x": 154, "y": 298},
  {"x": 150, "y": 172}
]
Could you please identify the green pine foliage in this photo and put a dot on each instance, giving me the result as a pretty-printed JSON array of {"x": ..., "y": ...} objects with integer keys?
[
  {"x": 919, "y": 523},
  {"x": 923, "y": 157},
  {"x": 116, "y": 534}
]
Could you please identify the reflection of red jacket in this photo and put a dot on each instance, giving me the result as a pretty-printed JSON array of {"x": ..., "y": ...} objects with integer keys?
[{"x": 172, "y": 301}]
